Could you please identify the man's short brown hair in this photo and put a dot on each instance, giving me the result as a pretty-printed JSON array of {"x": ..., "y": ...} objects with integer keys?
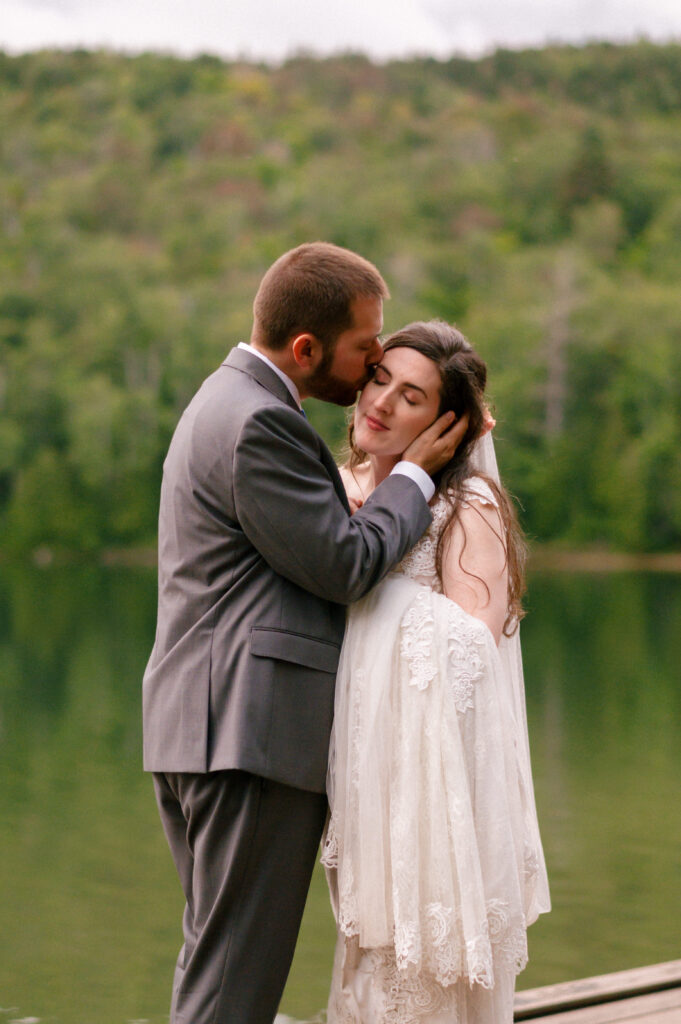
[{"x": 310, "y": 289}]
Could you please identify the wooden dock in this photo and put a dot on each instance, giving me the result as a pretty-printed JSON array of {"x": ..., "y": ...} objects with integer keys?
[{"x": 646, "y": 995}]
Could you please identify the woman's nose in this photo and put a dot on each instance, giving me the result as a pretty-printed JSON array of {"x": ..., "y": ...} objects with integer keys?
[{"x": 383, "y": 399}]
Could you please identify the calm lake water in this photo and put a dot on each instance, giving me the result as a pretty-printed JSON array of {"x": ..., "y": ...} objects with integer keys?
[{"x": 90, "y": 907}]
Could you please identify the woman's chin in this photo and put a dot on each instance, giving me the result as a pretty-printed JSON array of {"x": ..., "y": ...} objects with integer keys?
[
  {"x": 376, "y": 444},
  {"x": 366, "y": 441}
]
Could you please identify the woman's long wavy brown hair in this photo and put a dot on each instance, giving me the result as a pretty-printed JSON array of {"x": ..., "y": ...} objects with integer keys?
[{"x": 463, "y": 376}]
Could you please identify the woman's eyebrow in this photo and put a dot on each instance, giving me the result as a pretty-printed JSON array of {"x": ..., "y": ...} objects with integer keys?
[
  {"x": 415, "y": 387},
  {"x": 405, "y": 384}
]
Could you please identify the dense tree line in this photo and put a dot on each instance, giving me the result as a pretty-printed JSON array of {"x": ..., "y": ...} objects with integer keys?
[{"x": 532, "y": 197}]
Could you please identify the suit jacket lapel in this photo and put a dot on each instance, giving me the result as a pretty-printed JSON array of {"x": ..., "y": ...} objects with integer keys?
[
  {"x": 240, "y": 359},
  {"x": 332, "y": 469}
]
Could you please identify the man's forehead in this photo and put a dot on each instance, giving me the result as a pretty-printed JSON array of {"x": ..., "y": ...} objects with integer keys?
[{"x": 367, "y": 313}]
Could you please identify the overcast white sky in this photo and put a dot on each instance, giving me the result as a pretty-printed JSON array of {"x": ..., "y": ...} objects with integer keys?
[{"x": 271, "y": 29}]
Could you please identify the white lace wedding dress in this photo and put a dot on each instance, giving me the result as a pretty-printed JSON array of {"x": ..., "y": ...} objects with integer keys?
[{"x": 432, "y": 850}]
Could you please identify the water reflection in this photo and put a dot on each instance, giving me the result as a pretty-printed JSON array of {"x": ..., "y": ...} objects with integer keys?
[
  {"x": 602, "y": 657},
  {"x": 91, "y": 907}
]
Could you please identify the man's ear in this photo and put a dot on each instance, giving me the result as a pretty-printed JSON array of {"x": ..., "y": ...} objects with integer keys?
[{"x": 307, "y": 351}]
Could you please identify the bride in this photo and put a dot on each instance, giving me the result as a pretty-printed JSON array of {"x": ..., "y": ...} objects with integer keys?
[{"x": 432, "y": 850}]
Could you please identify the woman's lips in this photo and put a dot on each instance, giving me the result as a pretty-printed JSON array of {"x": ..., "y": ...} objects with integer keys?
[{"x": 375, "y": 424}]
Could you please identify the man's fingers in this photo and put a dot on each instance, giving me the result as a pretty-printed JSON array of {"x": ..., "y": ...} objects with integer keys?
[
  {"x": 447, "y": 426},
  {"x": 460, "y": 428},
  {"x": 436, "y": 445},
  {"x": 454, "y": 431},
  {"x": 441, "y": 424}
]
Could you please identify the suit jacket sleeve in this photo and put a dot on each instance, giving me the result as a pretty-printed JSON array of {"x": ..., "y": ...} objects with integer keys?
[{"x": 288, "y": 506}]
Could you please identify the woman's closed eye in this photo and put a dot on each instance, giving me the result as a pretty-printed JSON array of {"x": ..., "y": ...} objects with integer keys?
[
  {"x": 412, "y": 396},
  {"x": 383, "y": 381}
]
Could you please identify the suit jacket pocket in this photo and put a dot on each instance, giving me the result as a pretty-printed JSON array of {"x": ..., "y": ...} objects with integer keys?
[{"x": 283, "y": 645}]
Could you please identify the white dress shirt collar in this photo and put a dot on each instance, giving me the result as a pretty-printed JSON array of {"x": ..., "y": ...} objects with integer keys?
[{"x": 280, "y": 373}]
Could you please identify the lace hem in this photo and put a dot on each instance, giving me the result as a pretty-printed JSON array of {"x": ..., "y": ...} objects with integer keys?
[
  {"x": 436, "y": 944},
  {"x": 448, "y": 958}
]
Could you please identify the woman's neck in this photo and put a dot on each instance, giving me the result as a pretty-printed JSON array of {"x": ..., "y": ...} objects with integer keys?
[{"x": 381, "y": 467}]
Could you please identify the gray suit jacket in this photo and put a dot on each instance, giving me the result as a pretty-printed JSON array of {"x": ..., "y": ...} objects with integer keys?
[{"x": 257, "y": 558}]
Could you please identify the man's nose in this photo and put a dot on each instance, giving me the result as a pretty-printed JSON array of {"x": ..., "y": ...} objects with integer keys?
[{"x": 375, "y": 354}]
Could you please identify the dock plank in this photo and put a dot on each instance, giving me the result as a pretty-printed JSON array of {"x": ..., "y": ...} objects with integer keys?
[
  {"x": 615, "y": 994},
  {"x": 655, "y": 1008}
]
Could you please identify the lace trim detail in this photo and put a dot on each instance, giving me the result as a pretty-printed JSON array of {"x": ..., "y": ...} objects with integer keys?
[
  {"x": 348, "y": 917},
  {"x": 447, "y": 960},
  {"x": 329, "y": 857},
  {"x": 419, "y": 563},
  {"x": 466, "y": 638},
  {"x": 443, "y": 962},
  {"x": 411, "y": 995},
  {"x": 501, "y": 941},
  {"x": 508, "y": 938},
  {"x": 418, "y": 626},
  {"x": 407, "y": 945},
  {"x": 478, "y": 489}
]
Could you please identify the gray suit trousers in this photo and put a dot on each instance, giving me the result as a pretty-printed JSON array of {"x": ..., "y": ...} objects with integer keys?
[{"x": 244, "y": 848}]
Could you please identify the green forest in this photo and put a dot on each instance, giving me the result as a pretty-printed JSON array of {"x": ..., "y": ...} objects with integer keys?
[{"x": 533, "y": 198}]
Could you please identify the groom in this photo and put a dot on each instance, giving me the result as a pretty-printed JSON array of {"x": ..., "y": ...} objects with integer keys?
[{"x": 258, "y": 557}]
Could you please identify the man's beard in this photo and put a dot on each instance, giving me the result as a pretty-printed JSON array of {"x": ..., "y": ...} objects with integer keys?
[{"x": 328, "y": 388}]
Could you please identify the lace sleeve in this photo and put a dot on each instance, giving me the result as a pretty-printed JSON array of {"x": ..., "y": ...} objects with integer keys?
[{"x": 477, "y": 489}]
